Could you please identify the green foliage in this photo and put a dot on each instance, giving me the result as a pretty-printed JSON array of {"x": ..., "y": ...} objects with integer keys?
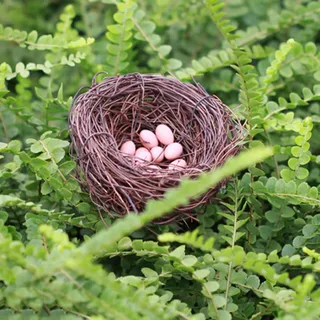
[
  {"x": 75, "y": 264},
  {"x": 253, "y": 255},
  {"x": 119, "y": 36},
  {"x": 218, "y": 59},
  {"x": 145, "y": 32}
]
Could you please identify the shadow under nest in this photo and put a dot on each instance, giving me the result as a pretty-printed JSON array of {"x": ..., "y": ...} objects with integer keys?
[{"x": 117, "y": 109}]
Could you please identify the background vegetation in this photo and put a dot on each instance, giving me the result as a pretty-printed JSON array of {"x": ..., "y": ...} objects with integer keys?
[{"x": 254, "y": 255}]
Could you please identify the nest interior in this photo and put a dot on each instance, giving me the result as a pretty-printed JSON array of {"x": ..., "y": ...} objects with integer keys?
[{"x": 118, "y": 108}]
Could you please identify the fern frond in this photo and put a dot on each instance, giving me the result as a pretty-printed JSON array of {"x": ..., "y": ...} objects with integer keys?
[
  {"x": 251, "y": 96},
  {"x": 63, "y": 27},
  {"x": 302, "y": 60},
  {"x": 190, "y": 238},
  {"x": 279, "y": 191},
  {"x": 45, "y": 42},
  {"x": 276, "y": 120},
  {"x": 272, "y": 72},
  {"x": 226, "y": 28},
  {"x": 47, "y": 67},
  {"x": 218, "y": 59},
  {"x": 119, "y": 36},
  {"x": 145, "y": 32},
  {"x": 285, "y": 20},
  {"x": 68, "y": 284},
  {"x": 36, "y": 215}
]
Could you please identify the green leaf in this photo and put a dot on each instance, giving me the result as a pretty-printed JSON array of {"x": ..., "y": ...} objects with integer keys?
[
  {"x": 280, "y": 186},
  {"x": 149, "y": 273},
  {"x": 201, "y": 274},
  {"x": 55, "y": 183},
  {"x": 67, "y": 167},
  {"x": 53, "y": 144},
  {"x": 32, "y": 36},
  {"x": 14, "y": 146},
  {"x": 308, "y": 230},
  {"x": 65, "y": 193},
  {"x": 265, "y": 232},
  {"x": 148, "y": 27},
  {"x": 316, "y": 220},
  {"x": 36, "y": 147},
  {"x": 58, "y": 154},
  {"x": 37, "y": 163},
  {"x": 288, "y": 250},
  {"x": 293, "y": 163},
  {"x": 298, "y": 242},
  {"x": 302, "y": 173},
  {"x": 3, "y": 146},
  {"x": 3, "y": 216},
  {"x": 287, "y": 174},
  {"x": 46, "y": 188},
  {"x": 224, "y": 315},
  {"x": 317, "y": 75},
  {"x": 164, "y": 50},
  {"x": 124, "y": 244},
  {"x": 212, "y": 286},
  {"x": 296, "y": 151},
  {"x": 286, "y": 72},
  {"x": 189, "y": 261},
  {"x": 287, "y": 212},
  {"x": 60, "y": 92},
  {"x": 83, "y": 207},
  {"x": 178, "y": 252},
  {"x": 304, "y": 159},
  {"x": 253, "y": 281},
  {"x": 273, "y": 215},
  {"x": 174, "y": 64},
  {"x": 311, "y": 48},
  {"x": 219, "y": 301}
]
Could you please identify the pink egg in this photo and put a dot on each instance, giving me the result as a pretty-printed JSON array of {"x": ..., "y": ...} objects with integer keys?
[
  {"x": 143, "y": 154},
  {"x": 178, "y": 164},
  {"x": 157, "y": 154},
  {"x": 173, "y": 151},
  {"x": 152, "y": 168},
  {"x": 164, "y": 134},
  {"x": 128, "y": 147},
  {"x": 148, "y": 139}
]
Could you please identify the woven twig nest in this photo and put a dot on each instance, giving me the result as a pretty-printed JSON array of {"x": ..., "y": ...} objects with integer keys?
[{"x": 118, "y": 108}]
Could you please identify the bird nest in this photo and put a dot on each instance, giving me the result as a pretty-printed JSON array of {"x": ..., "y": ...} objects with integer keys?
[{"x": 117, "y": 109}]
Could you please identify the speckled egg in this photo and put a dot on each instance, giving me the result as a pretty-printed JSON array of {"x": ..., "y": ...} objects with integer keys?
[{"x": 148, "y": 139}]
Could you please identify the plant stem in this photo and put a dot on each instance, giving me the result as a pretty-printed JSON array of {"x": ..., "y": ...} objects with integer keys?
[{"x": 234, "y": 234}]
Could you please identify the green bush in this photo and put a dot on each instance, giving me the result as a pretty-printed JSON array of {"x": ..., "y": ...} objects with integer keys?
[{"x": 252, "y": 256}]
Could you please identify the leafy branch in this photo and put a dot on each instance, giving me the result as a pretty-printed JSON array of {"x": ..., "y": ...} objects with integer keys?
[
  {"x": 45, "y": 42},
  {"x": 119, "y": 36}
]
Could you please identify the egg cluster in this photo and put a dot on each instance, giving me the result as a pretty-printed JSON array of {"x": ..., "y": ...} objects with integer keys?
[{"x": 155, "y": 153}]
